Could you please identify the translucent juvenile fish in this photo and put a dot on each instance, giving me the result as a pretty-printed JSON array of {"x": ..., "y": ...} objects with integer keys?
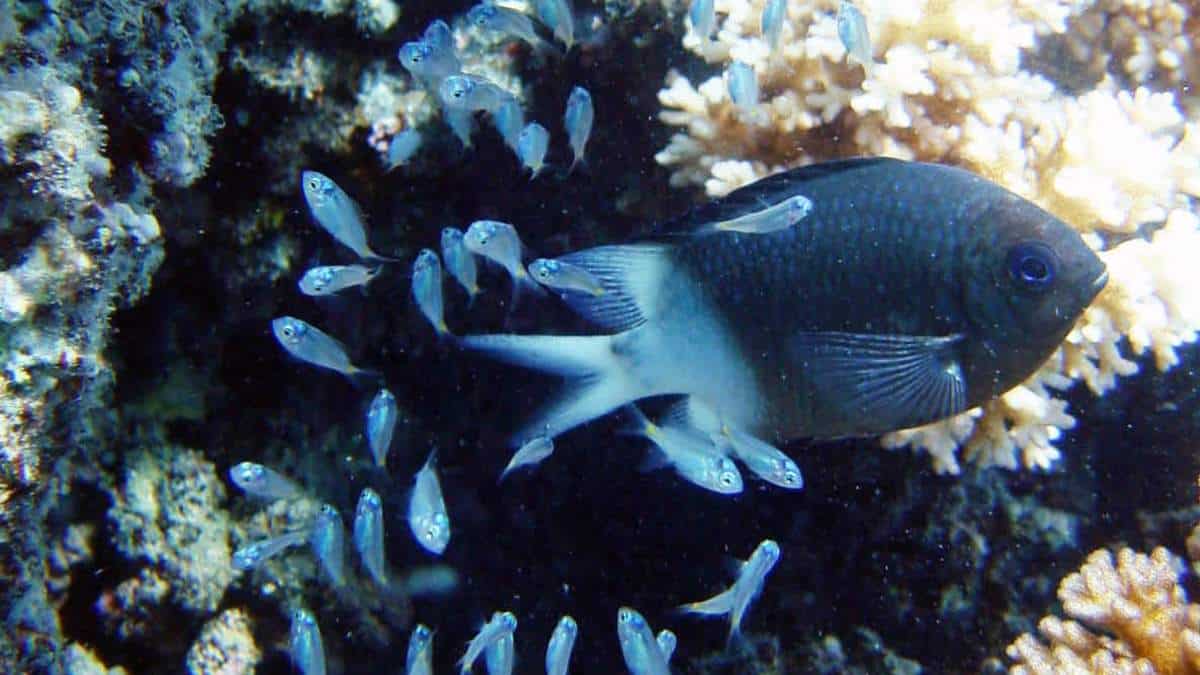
[
  {"x": 501, "y": 655},
  {"x": 562, "y": 642},
  {"x": 471, "y": 92},
  {"x": 499, "y": 243},
  {"x": 308, "y": 343},
  {"x": 431, "y": 580},
  {"x": 337, "y": 214},
  {"x": 419, "y": 659},
  {"x": 368, "y": 535},
  {"x": 666, "y": 642},
  {"x": 259, "y": 481},
  {"x": 304, "y": 644},
  {"x": 509, "y": 120},
  {"x": 774, "y": 13},
  {"x": 404, "y": 147},
  {"x": 773, "y": 218},
  {"x": 462, "y": 123},
  {"x": 460, "y": 262},
  {"x": 439, "y": 36},
  {"x": 432, "y": 58},
  {"x": 329, "y": 543},
  {"x": 691, "y": 454},
  {"x": 427, "y": 289},
  {"x": 737, "y": 598},
  {"x": 488, "y": 16},
  {"x": 532, "y": 452},
  {"x": 381, "y": 425},
  {"x": 254, "y": 554},
  {"x": 638, "y": 646},
  {"x": 743, "y": 85},
  {"x": 427, "y": 516},
  {"x": 852, "y": 30},
  {"x": 764, "y": 460},
  {"x": 703, "y": 15},
  {"x": 330, "y": 279},
  {"x": 501, "y": 624},
  {"x": 563, "y": 276},
  {"x": 532, "y": 144},
  {"x": 578, "y": 119},
  {"x": 557, "y": 15}
]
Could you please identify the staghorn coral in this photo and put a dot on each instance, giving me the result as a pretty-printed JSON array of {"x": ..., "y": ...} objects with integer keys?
[
  {"x": 1121, "y": 165},
  {"x": 1138, "y": 621}
]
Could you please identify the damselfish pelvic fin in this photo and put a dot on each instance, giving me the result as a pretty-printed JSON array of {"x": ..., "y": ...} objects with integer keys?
[
  {"x": 900, "y": 380},
  {"x": 597, "y": 383},
  {"x": 630, "y": 275}
]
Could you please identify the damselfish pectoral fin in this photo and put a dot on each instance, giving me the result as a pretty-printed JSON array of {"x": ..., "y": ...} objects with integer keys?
[{"x": 895, "y": 380}]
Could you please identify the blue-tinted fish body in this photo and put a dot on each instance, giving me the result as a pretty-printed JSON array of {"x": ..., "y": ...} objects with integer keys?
[
  {"x": 460, "y": 262},
  {"x": 578, "y": 120},
  {"x": 427, "y": 517},
  {"x": 404, "y": 147},
  {"x": 562, "y": 643},
  {"x": 774, "y": 13},
  {"x": 308, "y": 343},
  {"x": 488, "y": 16},
  {"x": 499, "y": 243},
  {"x": 509, "y": 120},
  {"x": 692, "y": 454},
  {"x": 304, "y": 644},
  {"x": 381, "y": 425},
  {"x": 563, "y": 276},
  {"x": 666, "y": 642},
  {"x": 743, "y": 85},
  {"x": 337, "y": 213},
  {"x": 638, "y": 646},
  {"x": 737, "y": 598},
  {"x": 557, "y": 15},
  {"x": 532, "y": 144},
  {"x": 764, "y": 460},
  {"x": 368, "y": 535},
  {"x": 427, "y": 289},
  {"x": 773, "y": 218},
  {"x": 852, "y": 30},
  {"x": 430, "y": 580},
  {"x": 419, "y": 659},
  {"x": 501, "y": 624},
  {"x": 911, "y": 292},
  {"x": 330, "y": 279},
  {"x": 263, "y": 482},
  {"x": 501, "y": 655},
  {"x": 532, "y": 452},
  {"x": 328, "y": 541},
  {"x": 472, "y": 92},
  {"x": 254, "y": 554},
  {"x": 462, "y": 123},
  {"x": 433, "y": 57},
  {"x": 703, "y": 15}
]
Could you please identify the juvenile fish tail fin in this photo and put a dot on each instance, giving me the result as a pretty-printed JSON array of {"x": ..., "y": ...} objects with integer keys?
[{"x": 718, "y": 605}]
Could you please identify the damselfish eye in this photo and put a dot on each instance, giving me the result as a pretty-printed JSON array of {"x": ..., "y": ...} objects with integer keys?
[{"x": 1032, "y": 265}]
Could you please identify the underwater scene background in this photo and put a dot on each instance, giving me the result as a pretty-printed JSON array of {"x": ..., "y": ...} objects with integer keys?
[{"x": 153, "y": 225}]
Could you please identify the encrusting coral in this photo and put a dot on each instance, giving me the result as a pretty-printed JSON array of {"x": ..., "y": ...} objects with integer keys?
[{"x": 971, "y": 83}]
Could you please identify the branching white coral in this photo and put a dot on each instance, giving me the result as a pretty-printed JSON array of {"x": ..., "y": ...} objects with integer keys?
[{"x": 948, "y": 85}]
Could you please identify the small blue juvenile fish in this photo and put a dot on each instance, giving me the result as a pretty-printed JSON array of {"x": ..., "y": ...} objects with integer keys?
[
  {"x": 557, "y": 15},
  {"x": 462, "y": 123},
  {"x": 563, "y": 276},
  {"x": 501, "y": 655},
  {"x": 532, "y": 144},
  {"x": 304, "y": 645},
  {"x": 337, "y": 214},
  {"x": 460, "y": 262},
  {"x": 488, "y": 16},
  {"x": 308, "y": 343},
  {"x": 259, "y": 481},
  {"x": 499, "y": 243},
  {"x": 419, "y": 659},
  {"x": 368, "y": 535},
  {"x": 578, "y": 119},
  {"x": 430, "y": 580},
  {"x": 532, "y": 452},
  {"x": 509, "y": 120},
  {"x": 703, "y": 15},
  {"x": 562, "y": 642},
  {"x": 501, "y": 624},
  {"x": 381, "y": 425},
  {"x": 852, "y": 30},
  {"x": 471, "y": 92},
  {"x": 330, "y": 279},
  {"x": 404, "y": 146},
  {"x": 690, "y": 453},
  {"x": 764, "y": 460},
  {"x": 666, "y": 642},
  {"x": 773, "y": 16},
  {"x": 641, "y": 651},
  {"x": 773, "y": 218},
  {"x": 427, "y": 516},
  {"x": 329, "y": 543},
  {"x": 743, "y": 85},
  {"x": 431, "y": 58},
  {"x": 254, "y": 554},
  {"x": 427, "y": 289},
  {"x": 735, "y": 600}
]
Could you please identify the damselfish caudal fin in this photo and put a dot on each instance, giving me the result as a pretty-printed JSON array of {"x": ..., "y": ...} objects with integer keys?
[{"x": 598, "y": 380}]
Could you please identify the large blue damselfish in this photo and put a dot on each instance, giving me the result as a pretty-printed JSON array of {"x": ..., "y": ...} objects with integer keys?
[{"x": 911, "y": 292}]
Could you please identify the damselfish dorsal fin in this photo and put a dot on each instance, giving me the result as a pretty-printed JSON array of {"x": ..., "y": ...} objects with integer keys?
[
  {"x": 898, "y": 380},
  {"x": 764, "y": 193}
]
